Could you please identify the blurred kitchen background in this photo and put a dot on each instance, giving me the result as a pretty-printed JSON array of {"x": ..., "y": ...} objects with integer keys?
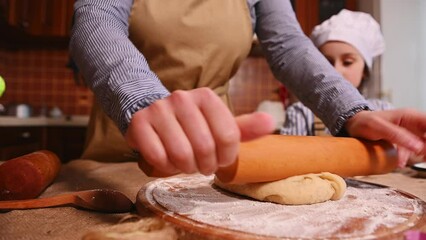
[{"x": 46, "y": 104}]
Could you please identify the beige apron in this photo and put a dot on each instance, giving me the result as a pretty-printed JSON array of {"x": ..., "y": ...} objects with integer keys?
[{"x": 188, "y": 44}]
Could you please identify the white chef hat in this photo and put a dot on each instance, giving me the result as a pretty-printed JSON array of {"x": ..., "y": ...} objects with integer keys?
[{"x": 356, "y": 28}]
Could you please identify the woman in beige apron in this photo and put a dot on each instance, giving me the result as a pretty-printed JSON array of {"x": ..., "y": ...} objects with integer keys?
[
  {"x": 176, "y": 38},
  {"x": 210, "y": 61}
]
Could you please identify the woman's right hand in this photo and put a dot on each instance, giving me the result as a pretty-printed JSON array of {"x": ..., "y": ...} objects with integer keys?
[{"x": 192, "y": 131}]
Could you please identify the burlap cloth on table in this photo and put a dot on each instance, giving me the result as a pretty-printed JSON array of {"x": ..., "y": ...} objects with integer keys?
[
  {"x": 71, "y": 223},
  {"x": 68, "y": 222}
]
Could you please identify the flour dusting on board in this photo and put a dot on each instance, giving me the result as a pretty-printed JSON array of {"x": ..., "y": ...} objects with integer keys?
[{"x": 365, "y": 210}]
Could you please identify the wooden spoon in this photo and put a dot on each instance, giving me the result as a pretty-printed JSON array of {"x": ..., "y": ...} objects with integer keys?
[{"x": 101, "y": 200}]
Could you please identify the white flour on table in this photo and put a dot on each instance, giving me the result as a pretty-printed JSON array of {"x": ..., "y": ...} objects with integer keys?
[{"x": 365, "y": 210}]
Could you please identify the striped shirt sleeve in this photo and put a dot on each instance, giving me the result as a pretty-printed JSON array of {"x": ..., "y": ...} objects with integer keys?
[
  {"x": 298, "y": 64},
  {"x": 299, "y": 119},
  {"x": 114, "y": 69}
]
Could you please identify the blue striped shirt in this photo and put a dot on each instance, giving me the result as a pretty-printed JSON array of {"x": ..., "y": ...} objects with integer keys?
[
  {"x": 123, "y": 83},
  {"x": 300, "y": 120}
]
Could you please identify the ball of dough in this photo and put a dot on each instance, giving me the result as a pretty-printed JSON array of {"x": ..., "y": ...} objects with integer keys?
[{"x": 296, "y": 190}]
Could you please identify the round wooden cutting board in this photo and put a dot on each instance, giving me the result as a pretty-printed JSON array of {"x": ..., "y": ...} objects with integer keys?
[{"x": 367, "y": 211}]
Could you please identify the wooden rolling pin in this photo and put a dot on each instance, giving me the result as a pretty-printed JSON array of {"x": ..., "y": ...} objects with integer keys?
[
  {"x": 27, "y": 176},
  {"x": 276, "y": 157}
]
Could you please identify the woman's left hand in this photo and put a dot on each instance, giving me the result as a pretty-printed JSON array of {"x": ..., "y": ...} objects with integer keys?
[{"x": 406, "y": 128}]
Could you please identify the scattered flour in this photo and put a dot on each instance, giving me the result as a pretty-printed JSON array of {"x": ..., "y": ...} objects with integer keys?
[{"x": 366, "y": 210}]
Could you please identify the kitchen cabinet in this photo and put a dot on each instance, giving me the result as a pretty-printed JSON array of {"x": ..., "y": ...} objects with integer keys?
[
  {"x": 312, "y": 12},
  {"x": 17, "y": 141},
  {"x": 40, "y": 17},
  {"x": 54, "y": 17},
  {"x": 66, "y": 141}
]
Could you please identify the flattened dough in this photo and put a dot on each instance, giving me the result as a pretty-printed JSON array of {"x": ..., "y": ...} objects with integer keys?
[{"x": 296, "y": 190}]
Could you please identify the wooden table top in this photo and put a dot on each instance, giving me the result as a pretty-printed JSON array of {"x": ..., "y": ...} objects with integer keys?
[{"x": 71, "y": 223}]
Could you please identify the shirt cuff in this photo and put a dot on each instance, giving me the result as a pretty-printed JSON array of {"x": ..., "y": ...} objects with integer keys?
[
  {"x": 339, "y": 130},
  {"x": 124, "y": 123}
]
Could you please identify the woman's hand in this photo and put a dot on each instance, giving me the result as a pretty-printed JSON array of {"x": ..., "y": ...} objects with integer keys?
[
  {"x": 406, "y": 128},
  {"x": 192, "y": 131}
]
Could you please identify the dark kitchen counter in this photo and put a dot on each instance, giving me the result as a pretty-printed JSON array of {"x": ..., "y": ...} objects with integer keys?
[{"x": 74, "y": 120}]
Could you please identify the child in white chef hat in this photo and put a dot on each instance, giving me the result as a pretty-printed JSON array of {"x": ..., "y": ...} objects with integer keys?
[{"x": 350, "y": 41}]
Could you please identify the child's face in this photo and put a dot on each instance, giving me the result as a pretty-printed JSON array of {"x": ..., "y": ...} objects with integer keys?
[{"x": 346, "y": 60}]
